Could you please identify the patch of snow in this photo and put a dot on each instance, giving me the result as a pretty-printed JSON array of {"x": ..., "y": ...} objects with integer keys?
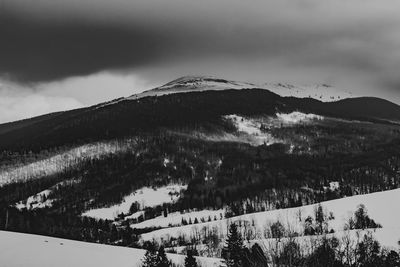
[
  {"x": 19, "y": 249},
  {"x": 297, "y": 117},
  {"x": 322, "y": 92},
  {"x": 146, "y": 197},
  {"x": 41, "y": 200},
  {"x": 251, "y": 128},
  {"x": 135, "y": 215},
  {"x": 176, "y": 218},
  {"x": 37, "y": 201},
  {"x": 255, "y": 130},
  {"x": 166, "y": 162}
]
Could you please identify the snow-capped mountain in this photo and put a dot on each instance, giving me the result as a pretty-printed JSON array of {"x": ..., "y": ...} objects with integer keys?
[
  {"x": 194, "y": 84},
  {"x": 322, "y": 92}
]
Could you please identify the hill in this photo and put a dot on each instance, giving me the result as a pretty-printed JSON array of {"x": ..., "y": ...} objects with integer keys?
[{"x": 43, "y": 251}]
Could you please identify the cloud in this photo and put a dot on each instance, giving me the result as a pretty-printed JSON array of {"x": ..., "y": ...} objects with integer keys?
[
  {"x": 348, "y": 43},
  {"x": 96, "y": 88},
  {"x": 19, "y": 103}
]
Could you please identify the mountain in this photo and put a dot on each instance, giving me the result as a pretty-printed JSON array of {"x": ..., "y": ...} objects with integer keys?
[
  {"x": 202, "y": 151},
  {"x": 205, "y": 99}
]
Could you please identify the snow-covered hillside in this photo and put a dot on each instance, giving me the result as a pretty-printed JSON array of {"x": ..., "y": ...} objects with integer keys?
[
  {"x": 176, "y": 218},
  {"x": 380, "y": 207},
  {"x": 62, "y": 161},
  {"x": 387, "y": 237},
  {"x": 185, "y": 84},
  {"x": 17, "y": 250},
  {"x": 255, "y": 130},
  {"x": 146, "y": 197}
]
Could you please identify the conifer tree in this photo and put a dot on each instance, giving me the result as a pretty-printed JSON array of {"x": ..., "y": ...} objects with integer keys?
[
  {"x": 233, "y": 251},
  {"x": 162, "y": 260},
  {"x": 150, "y": 258},
  {"x": 190, "y": 261}
]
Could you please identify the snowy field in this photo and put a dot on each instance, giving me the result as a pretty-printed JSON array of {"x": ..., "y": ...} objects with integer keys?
[
  {"x": 146, "y": 197},
  {"x": 23, "y": 250},
  {"x": 381, "y": 207}
]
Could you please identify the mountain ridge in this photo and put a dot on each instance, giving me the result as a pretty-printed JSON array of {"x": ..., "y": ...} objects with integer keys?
[
  {"x": 186, "y": 84},
  {"x": 127, "y": 116}
]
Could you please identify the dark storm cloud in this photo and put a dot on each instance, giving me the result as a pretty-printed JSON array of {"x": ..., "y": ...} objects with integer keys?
[
  {"x": 38, "y": 51},
  {"x": 47, "y": 40}
]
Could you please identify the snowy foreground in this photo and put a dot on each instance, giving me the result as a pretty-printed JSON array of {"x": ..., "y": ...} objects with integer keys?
[{"x": 17, "y": 249}]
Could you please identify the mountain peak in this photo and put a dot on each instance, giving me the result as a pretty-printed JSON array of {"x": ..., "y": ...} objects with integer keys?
[{"x": 194, "y": 83}]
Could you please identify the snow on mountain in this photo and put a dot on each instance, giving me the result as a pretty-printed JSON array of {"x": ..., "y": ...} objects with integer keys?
[
  {"x": 194, "y": 83},
  {"x": 297, "y": 117},
  {"x": 185, "y": 84},
  {"x": 59, "y": 162},
  {"x": 17, "y": 249},
  {"x": 176, "y": 218},
  {"x": 41, "y": 200},
  {"x": 255, "y": 130},
  {"x": 146, "y": 197},
  {"x": 322, "y": 92},
  {"x": 294, "y": 218},
  {"x": 251, "y": 128}
]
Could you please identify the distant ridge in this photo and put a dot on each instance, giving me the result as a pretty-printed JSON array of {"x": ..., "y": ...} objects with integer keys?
[{"x": 322, "y": 92}]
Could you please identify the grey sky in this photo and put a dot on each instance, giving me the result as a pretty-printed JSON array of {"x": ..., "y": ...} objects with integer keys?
[{"x": 86, "y": 51}]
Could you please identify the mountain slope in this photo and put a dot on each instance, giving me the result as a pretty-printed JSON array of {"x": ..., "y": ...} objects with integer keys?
[
  {"x": 126, "y": 117},
  {"x": 199, "y": 156}
]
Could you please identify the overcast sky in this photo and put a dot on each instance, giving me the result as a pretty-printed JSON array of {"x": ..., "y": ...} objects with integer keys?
[{"x": 61, "y": 54}]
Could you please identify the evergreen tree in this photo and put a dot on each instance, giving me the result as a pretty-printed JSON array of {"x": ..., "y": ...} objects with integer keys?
[
  {"x": 150, "y": 258},
  {"x": 319, "y": 219},
  {"x": 162, "y": 260},
  {"x": 392, "y": 259},
  {"x": 233, "y": 251},
  {"x": 190, "y": 260}
]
